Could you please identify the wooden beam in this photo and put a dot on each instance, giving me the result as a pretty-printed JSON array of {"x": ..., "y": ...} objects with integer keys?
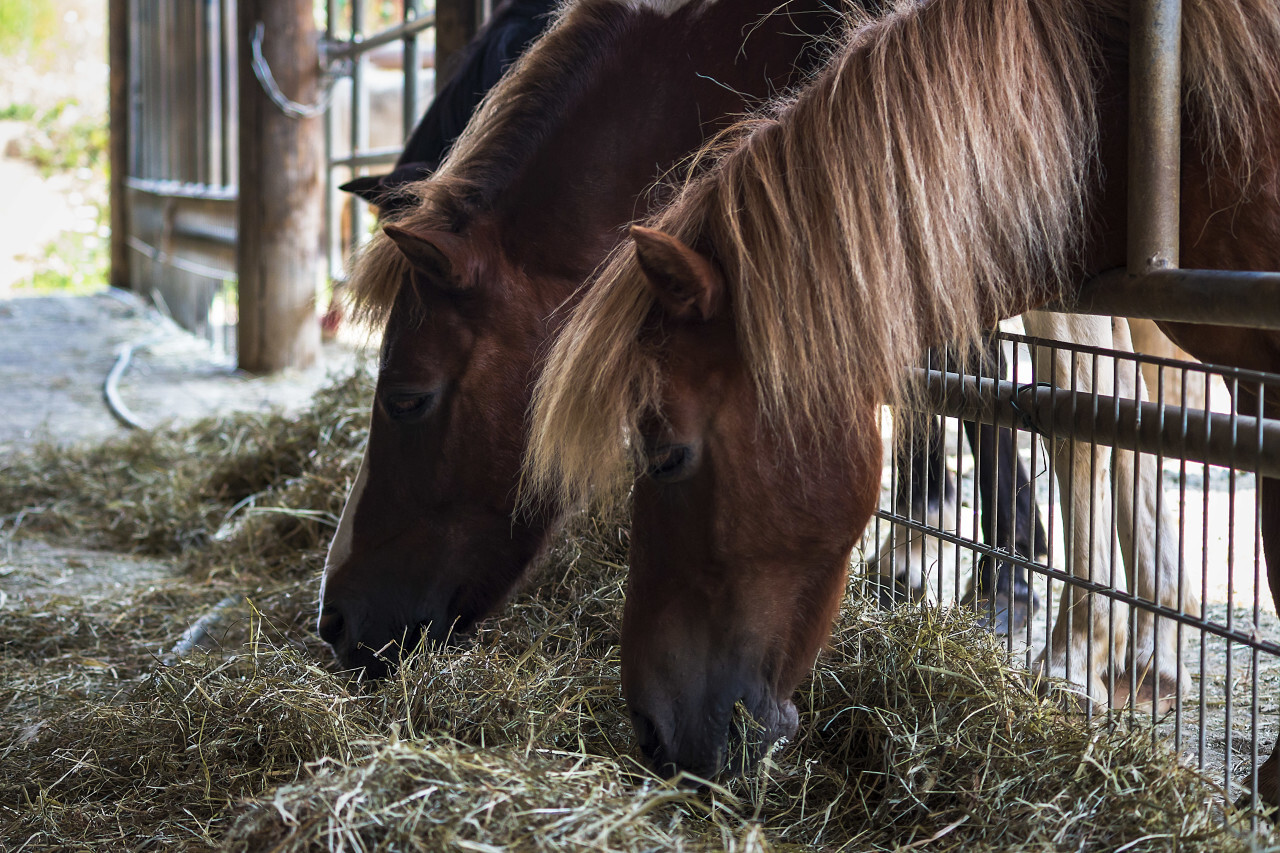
[
  {"x": 279, "y": 258},
  {"x": 118, "y": 144}
]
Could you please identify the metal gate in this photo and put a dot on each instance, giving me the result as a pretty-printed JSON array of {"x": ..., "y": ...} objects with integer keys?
[{"x": 1205, "y": 458}]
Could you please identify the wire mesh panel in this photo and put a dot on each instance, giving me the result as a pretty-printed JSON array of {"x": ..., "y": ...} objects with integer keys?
[{"x": 1106, "y": 519}]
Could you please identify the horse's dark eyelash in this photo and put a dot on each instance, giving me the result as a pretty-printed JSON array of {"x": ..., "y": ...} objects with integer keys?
[{"x": 417, "y": 404}]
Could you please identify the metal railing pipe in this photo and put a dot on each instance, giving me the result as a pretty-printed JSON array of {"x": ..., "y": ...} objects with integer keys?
[
  {"x": 1217, "y": 297},
  {"x": 370, "y": 157},
  {"x": 1155, "y": 134},
  {"x": 337, "y": 51},
  {"x": 1227, "y": 440},
  {"x": 409, "y": 105}
]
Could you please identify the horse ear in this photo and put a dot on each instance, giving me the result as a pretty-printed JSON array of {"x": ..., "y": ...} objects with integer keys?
[
  {"x": 436, "y": 255},
  {"x": 387, "y": 192},
  {"x": 687, "y": 284},
  {"x": 367, "y": 187}
]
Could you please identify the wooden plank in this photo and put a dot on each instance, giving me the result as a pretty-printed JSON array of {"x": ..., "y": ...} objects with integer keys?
[
  {"x": 281, "y": 192},
  {"x": 118, "y": 25}
]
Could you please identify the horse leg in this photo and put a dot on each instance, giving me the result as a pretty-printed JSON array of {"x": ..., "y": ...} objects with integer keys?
[
  {"x": 1000, "y": 590},
  {"x": 1083, "y": 637},
  {"x": 924, "y": 491},
  {"x": 1149, "y": 545}
]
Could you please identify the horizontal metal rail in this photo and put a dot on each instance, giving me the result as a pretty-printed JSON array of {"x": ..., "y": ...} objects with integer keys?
[
  {"x": 1217, "y": 297},
  {"x": 1226, "y": 440},
  {"x": 181, "y": 189},
  {"x": 372, "y": 157},
  {"x": 338, "y": 51}
]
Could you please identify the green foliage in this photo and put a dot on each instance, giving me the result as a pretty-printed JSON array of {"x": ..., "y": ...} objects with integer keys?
[
  {"x": 66, "y": 139},
  {"x": 73, "y": 264},
  {"x": 17, "y": 112},
  {"x": 25, "y": 25},
  {"x": 63, "y": 138}
]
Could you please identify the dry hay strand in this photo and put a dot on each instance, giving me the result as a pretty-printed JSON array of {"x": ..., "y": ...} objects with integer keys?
[
  {"x": 177, "y": 749},
  {"x": 438, "y": 794},
  {"x": 916, "y": 729}
]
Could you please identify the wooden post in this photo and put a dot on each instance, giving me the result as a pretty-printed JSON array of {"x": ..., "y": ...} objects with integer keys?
[
  {"x": 456, "y": 23},
  {"x": 278, "y": 259},
  {"x": 118, "y": 145}
]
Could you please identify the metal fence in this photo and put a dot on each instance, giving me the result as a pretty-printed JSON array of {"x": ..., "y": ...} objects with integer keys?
[
  {"x": 374, "y": 109},
  {"x": 1194, "y": 524},
  {"x": 1202, "y": 457}
]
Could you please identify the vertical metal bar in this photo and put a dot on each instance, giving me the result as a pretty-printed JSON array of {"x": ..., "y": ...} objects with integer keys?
[
  {"x": 1050, "y": 452},
  {"x": 1258, "y": 581},
  {"x": 1231, "y": 590},
  {"x": 1113, "y": 494},
  {"x": 216, "y": 177},
  {"x": 1159, "y": 545},
  {"x": 1069, "y": 511},
  {"x": 359, "y": 116},
  {"x": 1204, "y": 605},
  {"x": 1090, "y": 598},
  {"x": 231, "y": 105},
  {"x": 1032, "y": 578},
  {"x": 1154, "y": 133},
  {"x": 332, "y": 238},
  {"x": 1182, "y": 573},
  {"x": 410, "y": 90}
]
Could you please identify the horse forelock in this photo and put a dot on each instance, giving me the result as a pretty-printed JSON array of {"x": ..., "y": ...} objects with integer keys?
[{"x": 904, "y": 199}]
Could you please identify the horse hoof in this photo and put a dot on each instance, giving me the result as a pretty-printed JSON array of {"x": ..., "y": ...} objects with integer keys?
[{"x": 1146, "y": 696}]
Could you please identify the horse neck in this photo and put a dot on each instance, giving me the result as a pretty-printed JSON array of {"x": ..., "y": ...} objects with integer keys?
[{"x": 663, "y": 85}]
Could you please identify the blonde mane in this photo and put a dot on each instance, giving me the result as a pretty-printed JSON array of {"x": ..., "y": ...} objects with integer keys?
[{"x": 904, "y": 199}]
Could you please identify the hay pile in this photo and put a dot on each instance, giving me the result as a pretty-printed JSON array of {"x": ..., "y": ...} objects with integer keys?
[{"x": 915, "y": 731}]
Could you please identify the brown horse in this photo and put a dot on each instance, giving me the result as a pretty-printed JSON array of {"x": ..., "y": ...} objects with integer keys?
[
  {"x": 957, "y": 162},
  {"x": 534, "y": 196}
]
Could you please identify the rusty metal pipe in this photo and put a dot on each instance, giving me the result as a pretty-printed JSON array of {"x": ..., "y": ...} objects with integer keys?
[
  {"x": 1230, "y": 441},
  {"x": 1155, "y": 134},
  {"x": 1217, "y": 297}
]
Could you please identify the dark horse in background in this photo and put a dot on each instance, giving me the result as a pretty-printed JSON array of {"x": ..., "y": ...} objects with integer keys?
[{"x": 514, "y": 25}]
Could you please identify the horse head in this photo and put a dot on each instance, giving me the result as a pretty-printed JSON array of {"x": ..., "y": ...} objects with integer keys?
[
  {"x": 429, "y": 541},
  {"x": 734, "y": 581}
]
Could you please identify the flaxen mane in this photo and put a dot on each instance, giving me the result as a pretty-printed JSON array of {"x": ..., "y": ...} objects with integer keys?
[
  {"x": 904, "y": 199},
  {"x": 506, "y": 129}
]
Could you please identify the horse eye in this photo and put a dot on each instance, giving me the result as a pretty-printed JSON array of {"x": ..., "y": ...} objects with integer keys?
[
  {"x": 671, "y": 463},
  {"x": 410, "y": 407}
]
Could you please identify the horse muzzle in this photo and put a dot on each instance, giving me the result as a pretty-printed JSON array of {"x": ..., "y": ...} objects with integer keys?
[{"x": 710, "y": 745}]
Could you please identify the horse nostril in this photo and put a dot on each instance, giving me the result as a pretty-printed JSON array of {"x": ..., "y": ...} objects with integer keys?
[
  {"x": 331, "y": 625},
  {"x": 646, "y": 734}
]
